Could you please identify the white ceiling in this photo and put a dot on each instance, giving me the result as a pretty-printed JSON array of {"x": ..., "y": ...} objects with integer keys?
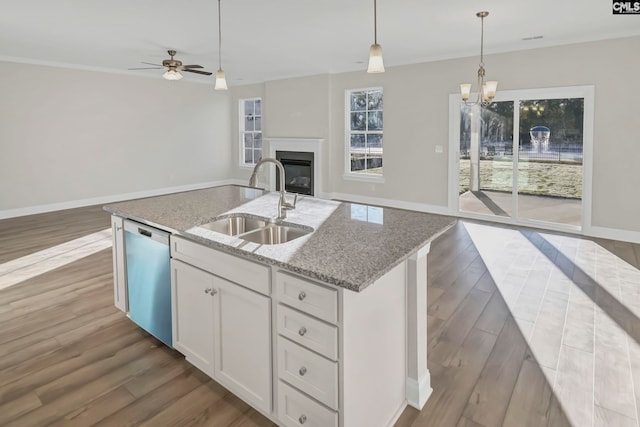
[{"x": 267, "y": 40}]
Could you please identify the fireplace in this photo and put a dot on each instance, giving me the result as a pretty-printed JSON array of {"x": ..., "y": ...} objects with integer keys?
[{"x": 298, "y": 171}]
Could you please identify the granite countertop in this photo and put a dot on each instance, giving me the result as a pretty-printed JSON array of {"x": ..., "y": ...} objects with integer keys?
[{"x": 352, "y": 244}]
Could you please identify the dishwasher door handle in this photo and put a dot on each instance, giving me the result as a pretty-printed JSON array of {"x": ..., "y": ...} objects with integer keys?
[{"x": 145, "y": 232}]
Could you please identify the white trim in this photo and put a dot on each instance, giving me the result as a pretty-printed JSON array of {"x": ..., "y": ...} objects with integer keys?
[
  {"x": 69, "y": 66},
  {"x": 417, "y": 394},
  {"x": 71, "y": 204},
  {"x": 399, "y": 204},
  {"x": 364, "y": 177},
  {"x": 613, "y": 234},
  {"x": 305, "y": 145}
]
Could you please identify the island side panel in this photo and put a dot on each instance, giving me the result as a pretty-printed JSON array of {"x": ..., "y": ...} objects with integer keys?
[
  {"x": 418, "y": 386},
  {"x": 374, "y": 351}
]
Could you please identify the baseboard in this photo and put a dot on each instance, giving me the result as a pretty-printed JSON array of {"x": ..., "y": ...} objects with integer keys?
[
  {"x": 613, "y": 234},
  {"x": 399, "y": 204},
  {"x": 31, "y": 210},
  {"x": 418, "y": 393}
]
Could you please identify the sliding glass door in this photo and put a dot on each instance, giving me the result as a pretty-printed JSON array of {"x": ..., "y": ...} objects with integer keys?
[{"x": 521, "y": 158}]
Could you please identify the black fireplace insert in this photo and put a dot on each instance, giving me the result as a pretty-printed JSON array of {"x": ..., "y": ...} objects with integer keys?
[{"x": 298, "y": 171}]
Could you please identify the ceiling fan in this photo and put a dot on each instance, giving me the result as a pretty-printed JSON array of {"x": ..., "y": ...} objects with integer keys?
[{"x": 173, "y": 67}]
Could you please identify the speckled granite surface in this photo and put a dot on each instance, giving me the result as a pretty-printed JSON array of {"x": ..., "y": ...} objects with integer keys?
[{"x": 352, "y": 246}]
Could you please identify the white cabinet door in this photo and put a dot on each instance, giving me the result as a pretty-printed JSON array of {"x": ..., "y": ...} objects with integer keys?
[
  {"x": 192, "y": 301},
  {"x": 119, "y": 264},
  {"x": 242, "y": 328}
]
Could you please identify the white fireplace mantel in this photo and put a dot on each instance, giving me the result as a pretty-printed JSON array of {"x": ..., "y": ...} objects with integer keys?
[{"x": 305, "y": 145}]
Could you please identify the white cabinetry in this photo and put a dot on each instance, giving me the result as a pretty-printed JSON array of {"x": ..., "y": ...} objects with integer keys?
[
  {"x": 223, "y": 327},
  {"x": 192, "y": 314},
  {"x": 119, "y": 264}
]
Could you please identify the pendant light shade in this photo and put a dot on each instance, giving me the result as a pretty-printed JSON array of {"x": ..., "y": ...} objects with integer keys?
[
  {"x": 376, "y": 65},
  {"x": 221, "y": 81}
]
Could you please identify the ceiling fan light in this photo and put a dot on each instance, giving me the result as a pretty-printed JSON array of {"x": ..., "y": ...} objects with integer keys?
[
  {"x": 376, "y": 65},
  {"x": 172, "y": 74},
  {"x": 221, "y": 81}
]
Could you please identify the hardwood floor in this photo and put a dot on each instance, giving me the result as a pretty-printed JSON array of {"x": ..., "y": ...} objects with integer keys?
[{"x": 525, "y": 328}]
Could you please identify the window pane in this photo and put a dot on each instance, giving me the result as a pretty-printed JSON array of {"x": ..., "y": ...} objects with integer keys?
[
  {"x": 258, "y": 109},
  {"x": 374, "y": 164},
  {"x": 374, "y": 140},
  {"x": 248, "y": 140},
  {"x": 375, "y": 120},
  {"x": 357, "y": 140},
  {"x": 358, "y": 101},
  {"x": 248, "y": 107},
  {"x": 248, "y": 156},
  {"x": 257, "y": 122},
  {"x": 375, "y": 100},
  {"x": 257, "y": 140},
  {"x": 257, "y": 155},
  {"x": 358, "y": 121},
  {"x": 357, "y": 162},
  {"x": 248, "y": 123}
]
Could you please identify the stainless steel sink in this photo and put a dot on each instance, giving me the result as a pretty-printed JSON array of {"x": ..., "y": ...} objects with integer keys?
[
  {"x": 262, "y": 231},
  {"x": 234, "y": 224},
  {"x": 274, "y": 234}
]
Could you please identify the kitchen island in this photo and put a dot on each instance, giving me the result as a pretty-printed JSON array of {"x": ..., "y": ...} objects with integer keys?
[{"x": 326, "y": 329}]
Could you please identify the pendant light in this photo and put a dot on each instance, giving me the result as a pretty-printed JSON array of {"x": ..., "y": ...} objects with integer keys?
[
  {"x": 221, "y": 81},
  {"x": 486, "y": 90},
  {"x": 375, "y": 52}
]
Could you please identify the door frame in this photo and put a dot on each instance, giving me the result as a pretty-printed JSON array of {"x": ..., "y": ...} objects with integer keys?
[{"x": 586, "y": 92}]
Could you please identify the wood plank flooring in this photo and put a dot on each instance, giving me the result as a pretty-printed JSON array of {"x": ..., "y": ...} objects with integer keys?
[{"x": 525, "y": 328}]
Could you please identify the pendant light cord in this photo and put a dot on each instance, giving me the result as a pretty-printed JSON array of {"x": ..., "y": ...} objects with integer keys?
[
  {"x": 219, "y": 38},
  {"x": 375, "y": 22}
]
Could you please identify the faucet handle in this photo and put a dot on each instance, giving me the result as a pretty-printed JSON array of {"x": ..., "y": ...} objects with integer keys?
[{"x": 295, "y": 200}]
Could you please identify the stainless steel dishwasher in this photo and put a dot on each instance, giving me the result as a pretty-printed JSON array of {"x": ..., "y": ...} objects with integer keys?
[{"x": 149, "y": 279}]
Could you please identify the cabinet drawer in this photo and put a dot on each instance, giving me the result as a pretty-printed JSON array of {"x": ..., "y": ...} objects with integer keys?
[
  {"x": 296, "y": 409},
  {"x": 311, "y": 373},
  {"x": 246, "y": 273},
  {"x": 308, "y": 331},
  {"x": 307, "y": 296}
]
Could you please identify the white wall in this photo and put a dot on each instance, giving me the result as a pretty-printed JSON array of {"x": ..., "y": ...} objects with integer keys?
[
  {"x": 416, "y": 120},
  {"x": 72, "y": 135}
]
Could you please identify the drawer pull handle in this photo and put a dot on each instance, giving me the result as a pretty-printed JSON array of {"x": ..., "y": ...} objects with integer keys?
[
  {"x": 302, "y": 331},
  {"x": 302, "y": 371},
  {"x": 302, "y": 296},
  {"x": 302, "y": 419}
]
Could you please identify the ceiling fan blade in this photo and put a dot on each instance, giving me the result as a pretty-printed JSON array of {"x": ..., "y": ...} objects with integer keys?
[
  {"x": 191, "y": 66},
  {"x": 149, "y": 63},
  {"x": 206, "y": 73},
  {"x": 150, "y": 68}
]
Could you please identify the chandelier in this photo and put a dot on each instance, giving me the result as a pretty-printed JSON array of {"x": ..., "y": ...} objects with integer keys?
[{"x": 486, "y": 90}]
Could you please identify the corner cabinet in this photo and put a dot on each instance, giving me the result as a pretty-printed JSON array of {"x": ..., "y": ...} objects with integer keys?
[
  {"x": 222, "y": 321},
  {"x": 119, "y": 264}
]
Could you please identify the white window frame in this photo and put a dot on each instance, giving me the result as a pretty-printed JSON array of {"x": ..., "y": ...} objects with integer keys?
[
  {"x": 242, "y": 131},
  {"x": 359, "y": 176},
  {"x": 585, "y": 92}
]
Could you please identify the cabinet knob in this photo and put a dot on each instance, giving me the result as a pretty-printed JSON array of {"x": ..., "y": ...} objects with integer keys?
[
  {"x": 118, "y": 228},
  {"x": 302, "y": 331},
  {"x": 302, "y": 419},
  {"x": 302, "y": 296},
  {"x": 302, "y": 371},
  {"x": 206, "y": 291}
]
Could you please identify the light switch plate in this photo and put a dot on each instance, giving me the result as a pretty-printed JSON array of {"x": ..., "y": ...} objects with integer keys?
[{"x": 439, "y": 149}]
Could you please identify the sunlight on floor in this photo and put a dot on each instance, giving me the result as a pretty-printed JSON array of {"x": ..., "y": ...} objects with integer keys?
[
  {"x": 578, "y": 307},
  {"x": 21, "y": 269}
]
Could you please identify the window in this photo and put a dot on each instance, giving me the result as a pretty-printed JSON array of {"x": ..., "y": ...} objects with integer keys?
[
  {"x": 364, "y": 132},
  {"x": 250, "y": 131}
]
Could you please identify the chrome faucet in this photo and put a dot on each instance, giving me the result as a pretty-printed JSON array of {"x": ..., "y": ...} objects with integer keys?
[{"x": 283, "y": 205}]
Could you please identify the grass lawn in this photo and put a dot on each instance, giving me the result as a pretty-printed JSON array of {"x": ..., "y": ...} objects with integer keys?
[{"x": 542, "y": 179}]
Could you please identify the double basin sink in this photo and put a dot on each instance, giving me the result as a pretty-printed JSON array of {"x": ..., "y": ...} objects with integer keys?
[{"x": 254, "y": 229}]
